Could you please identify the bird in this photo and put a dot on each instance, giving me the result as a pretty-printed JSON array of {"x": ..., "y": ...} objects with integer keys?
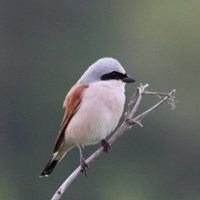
[{"x": 93, "y": 108}]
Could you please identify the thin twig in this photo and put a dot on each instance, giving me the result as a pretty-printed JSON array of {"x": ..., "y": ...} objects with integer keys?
[
  {"x": 128, "y": 122},
  {"x": 144, "y": 114}
]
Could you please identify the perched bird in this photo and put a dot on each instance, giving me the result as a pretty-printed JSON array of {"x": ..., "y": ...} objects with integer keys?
[{"x": 93, "y": 106}]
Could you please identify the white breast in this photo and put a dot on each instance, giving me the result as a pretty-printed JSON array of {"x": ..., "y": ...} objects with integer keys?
[{"x": 99, "y": 113}]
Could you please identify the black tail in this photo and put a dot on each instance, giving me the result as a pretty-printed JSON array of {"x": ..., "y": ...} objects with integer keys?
[
  {"x": 56, "y": 158},
  {"x": 49, "y": 167}
]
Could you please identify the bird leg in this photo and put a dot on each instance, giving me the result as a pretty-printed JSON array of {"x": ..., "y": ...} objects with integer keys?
[
  {"x": 105, "y": 145},
  {"x": 82, "y": 162}
]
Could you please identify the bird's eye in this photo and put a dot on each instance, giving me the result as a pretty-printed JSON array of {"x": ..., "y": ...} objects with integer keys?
[
  {"x": 112, "y": 76},
  {"x": 115, "y": 75}
]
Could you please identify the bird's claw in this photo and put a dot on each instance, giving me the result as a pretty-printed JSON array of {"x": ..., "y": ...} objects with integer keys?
[
  {"x": 105, "y": 145},
  {"x": 84, "y": 166}
]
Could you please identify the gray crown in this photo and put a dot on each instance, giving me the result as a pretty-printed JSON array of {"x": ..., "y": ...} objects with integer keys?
[{"x": 99, "y": 68}]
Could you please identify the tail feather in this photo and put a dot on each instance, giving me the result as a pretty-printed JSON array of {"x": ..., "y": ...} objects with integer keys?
[
  {"x": 56, "y": 158},
  {"x": 49, "y": 167}
]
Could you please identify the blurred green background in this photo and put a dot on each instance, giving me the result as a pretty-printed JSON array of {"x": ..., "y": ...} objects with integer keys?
[{"x": 45, "y": 46}]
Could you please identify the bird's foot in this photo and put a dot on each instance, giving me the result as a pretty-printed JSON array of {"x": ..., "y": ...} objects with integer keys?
[
  {"x": 105, "y": 145},
  {"x": 84, "y": 166}
]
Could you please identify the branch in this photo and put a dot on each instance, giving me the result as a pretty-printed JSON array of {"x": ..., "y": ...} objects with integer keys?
[{"x": 129, "y": 121}]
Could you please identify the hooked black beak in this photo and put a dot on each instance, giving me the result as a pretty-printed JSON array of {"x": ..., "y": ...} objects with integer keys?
[{"x": 128, "y": 79}]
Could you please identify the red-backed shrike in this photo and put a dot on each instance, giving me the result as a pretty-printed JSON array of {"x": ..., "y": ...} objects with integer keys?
[{"x": 93, "y": 106}]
